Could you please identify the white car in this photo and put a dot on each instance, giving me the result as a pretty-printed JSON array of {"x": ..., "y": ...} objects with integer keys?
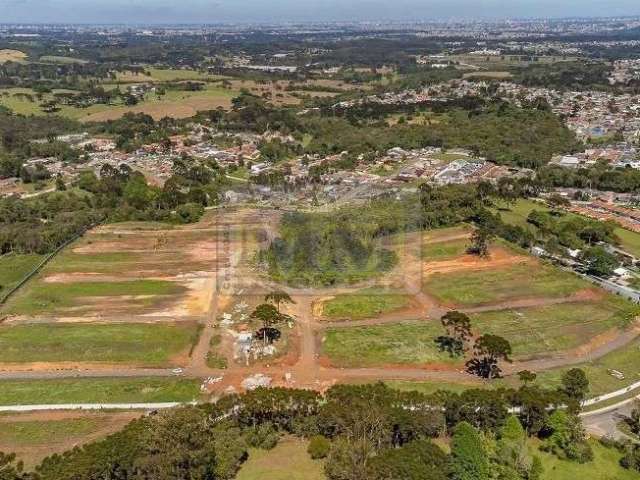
[{"x": 177, "y": 371}]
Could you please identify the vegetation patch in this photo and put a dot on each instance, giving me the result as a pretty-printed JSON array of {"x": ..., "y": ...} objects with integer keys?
[
  {"x": 364, "y": 303},
  {"x": 49, "y": 297},
  {"x": 475, "y": 287},
  {"x": 289, "y": 460},
  {"x": 445, "y": 250},
  {"x": 15, "y": 267},
  {"x": 410, "y": 343},
  {"x": 98, "y": 390},
  {"x": 322, "y": 249},
  {"x": 613, "y": 371},
  {"x": 552, "y": 328},
  {"x": 132, "y": 343}
]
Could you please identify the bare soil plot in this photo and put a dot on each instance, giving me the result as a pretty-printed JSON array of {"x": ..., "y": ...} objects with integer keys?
[
  {"x": 33, "y": 436},
  {"x": 7, "y": 55}
]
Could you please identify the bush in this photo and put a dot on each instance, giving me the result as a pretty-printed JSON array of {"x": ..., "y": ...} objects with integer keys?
[
  {"x": 319, "y": 447},
  {"x": 263, "y": 436},
  {"x": 188, "y": 213}
]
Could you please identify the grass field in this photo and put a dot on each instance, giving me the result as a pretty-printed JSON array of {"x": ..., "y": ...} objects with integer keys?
[
  {"x": 14, "y": 267},
  {"x": 130, "y": 343},
  {"x": 604, "y": 466},
  {"x": 35, "y": 436},
  {"x": 98, "y": 390},
  {"x": 41, "y": 297},
  {"x": 475, "y": 287},
  {"x": 552, "y": 328},
  {"x": 289, "y": 460},
  {"x": 445, "y": 250},
  {"x": 408, "y": 343},
  {"x": 625, "y": 360},
  {"x": 365, "y": 303},
  {"x": 61, "y": 60}
]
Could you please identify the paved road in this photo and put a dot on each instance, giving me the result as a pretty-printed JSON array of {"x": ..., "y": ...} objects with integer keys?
[{"x": 604, "y": 422}]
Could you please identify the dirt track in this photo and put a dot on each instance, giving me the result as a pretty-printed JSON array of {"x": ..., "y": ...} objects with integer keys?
[{"x": 237, "y": 234}]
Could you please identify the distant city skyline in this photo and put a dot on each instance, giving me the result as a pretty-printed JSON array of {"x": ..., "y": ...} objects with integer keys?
[{"x": 214, "y": 11}]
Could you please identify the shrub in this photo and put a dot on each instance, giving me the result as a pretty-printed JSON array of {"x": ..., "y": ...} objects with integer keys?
[{"x": 319, "y": 447}]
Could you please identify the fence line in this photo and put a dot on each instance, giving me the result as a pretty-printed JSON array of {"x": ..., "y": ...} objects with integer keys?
[{"x": 44, "y": 261}]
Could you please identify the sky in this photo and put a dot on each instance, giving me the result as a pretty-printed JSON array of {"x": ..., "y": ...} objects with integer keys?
[{"x": 213, "y": 11}]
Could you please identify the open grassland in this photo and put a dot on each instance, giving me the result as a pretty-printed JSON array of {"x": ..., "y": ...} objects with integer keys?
[
  {"x": 165, "y": 75},
  {"x": 604, "y": 466},
  {"x": 549, "y": 329},
  {"x": 289, "y": 460},
  {"x": 133, "y": 344},
  {"x": 625, "y": 360},
  {"x": 445, "y": 249},
  {"x": 174, "y": 104},
  {"x": 40, "y": 297},
  {"x": 7, "y": 55},
  {"x": 520, "y": 280},
  {"x": 61, "y": 60},
  {"x": 408, "y": 343},
  {"x": 629, "y": 241},
  {"x": 14, "y": 267},
  {"x": 98, "y": 390},
  {"x": 364, "y": 303},
  {"x": 33, "y": 436}
]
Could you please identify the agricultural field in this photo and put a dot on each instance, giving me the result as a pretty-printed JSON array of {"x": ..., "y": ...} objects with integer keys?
[{"x": 289, "y": 460}]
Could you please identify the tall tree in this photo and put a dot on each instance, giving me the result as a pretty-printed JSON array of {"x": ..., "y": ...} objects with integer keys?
[
  {"x": 488, "y": 350},
  {"x": 468, "y": 454}
]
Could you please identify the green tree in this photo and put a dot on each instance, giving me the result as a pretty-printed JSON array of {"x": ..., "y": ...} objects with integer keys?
[
  {"x": 568, "y": 438},
  {"x": 575, "y": 385},
  {"x": 469, "y": 459},
  {"x": 269, "y": 316},
  {"x": 417, "y": 460},
  {"x": 599, "y": 262},
  {"x": 488, "y": 350},
  {"x": 511, "y": 449},
  {"x": 526, "y": 376},
  {"x": 278, "y": 297},
  {"x": 480, "y": 240}
]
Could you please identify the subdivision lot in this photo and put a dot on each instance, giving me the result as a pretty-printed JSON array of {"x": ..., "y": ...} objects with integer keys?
[
  {"x": 78, "y": 297},
  {"x": 98, "y": 390},
  {"x": 143, "y": 344},
  {"x": 406, "y": 343},
  {"x": 33, "y": 436},
  {"x": 289, "y": 460},
  {"x": 365, "y": 303},
  {"x": 524, "y": 278},
  {"x": 625, "y": 360},
  {"x": 548, "y": 329}
]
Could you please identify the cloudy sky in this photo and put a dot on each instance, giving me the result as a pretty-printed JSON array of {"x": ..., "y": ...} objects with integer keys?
[{"x": 210, "y": 11}]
